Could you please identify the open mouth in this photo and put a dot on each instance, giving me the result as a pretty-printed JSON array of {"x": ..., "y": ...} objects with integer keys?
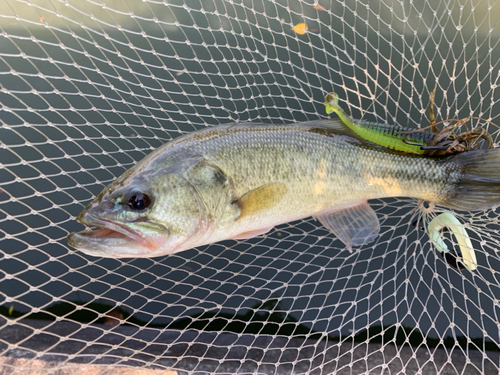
[
  {"x": 104, "y": 233},
  {"x": 110, "y": 230}
]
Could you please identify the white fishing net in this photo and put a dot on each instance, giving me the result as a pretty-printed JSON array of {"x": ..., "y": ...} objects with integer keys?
[{"x": 89, "y": 88}]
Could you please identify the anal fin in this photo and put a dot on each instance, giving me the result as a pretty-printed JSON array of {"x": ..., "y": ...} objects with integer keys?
[{"x": 354, "y": 226}]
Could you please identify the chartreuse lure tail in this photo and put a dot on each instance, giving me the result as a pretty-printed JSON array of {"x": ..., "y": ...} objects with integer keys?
[
  {"x": 450, "y": 221},
  {"x": 389, "y": 136}
]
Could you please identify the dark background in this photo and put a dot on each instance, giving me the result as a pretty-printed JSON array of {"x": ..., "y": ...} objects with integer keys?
[{"x": 88, "y": 90}]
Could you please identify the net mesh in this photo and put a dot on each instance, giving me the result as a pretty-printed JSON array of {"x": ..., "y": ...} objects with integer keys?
[{"x": 89, "y": 88}]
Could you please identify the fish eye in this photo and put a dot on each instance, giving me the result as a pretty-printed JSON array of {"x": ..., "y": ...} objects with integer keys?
[{"x": 139, "y": 201}]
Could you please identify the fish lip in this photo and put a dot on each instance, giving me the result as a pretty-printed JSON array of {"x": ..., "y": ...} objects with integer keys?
[{"x": 90, "y": 220}]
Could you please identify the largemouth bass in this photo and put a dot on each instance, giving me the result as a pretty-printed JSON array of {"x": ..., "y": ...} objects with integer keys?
[{"x": 239, "y": 181}]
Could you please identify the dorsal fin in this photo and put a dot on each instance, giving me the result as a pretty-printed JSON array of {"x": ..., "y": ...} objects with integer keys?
[{"x": 337, "y": 127}]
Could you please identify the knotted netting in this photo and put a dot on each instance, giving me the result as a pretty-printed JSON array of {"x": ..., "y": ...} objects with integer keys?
[{"x": 89, "y": 88}]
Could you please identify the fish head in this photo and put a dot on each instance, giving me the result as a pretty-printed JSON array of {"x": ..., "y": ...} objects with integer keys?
[{"x": 143, "y": 215}]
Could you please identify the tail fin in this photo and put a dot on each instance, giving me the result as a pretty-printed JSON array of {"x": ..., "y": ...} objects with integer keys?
[{"x": 478, "y": 188}]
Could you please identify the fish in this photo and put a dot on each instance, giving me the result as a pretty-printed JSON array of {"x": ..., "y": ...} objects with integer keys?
[{"x": 238, "y": 181}]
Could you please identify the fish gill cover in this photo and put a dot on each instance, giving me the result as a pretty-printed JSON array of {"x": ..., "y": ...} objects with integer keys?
[{"x": 89, "y": 88}]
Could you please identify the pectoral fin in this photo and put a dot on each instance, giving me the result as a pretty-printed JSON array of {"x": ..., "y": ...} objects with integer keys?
[
  {"x": 261, "y": 198},
  {"x": 354, "y": 226}
]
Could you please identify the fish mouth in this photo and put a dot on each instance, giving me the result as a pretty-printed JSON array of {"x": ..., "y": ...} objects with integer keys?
[{"x": 110, "y": 240}]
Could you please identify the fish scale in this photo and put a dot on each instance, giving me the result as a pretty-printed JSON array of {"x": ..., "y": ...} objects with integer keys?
[{"x": 239, "y": 181}]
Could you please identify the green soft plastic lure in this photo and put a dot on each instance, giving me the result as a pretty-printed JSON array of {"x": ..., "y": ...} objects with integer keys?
[{"x": 389, "y": 136}]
